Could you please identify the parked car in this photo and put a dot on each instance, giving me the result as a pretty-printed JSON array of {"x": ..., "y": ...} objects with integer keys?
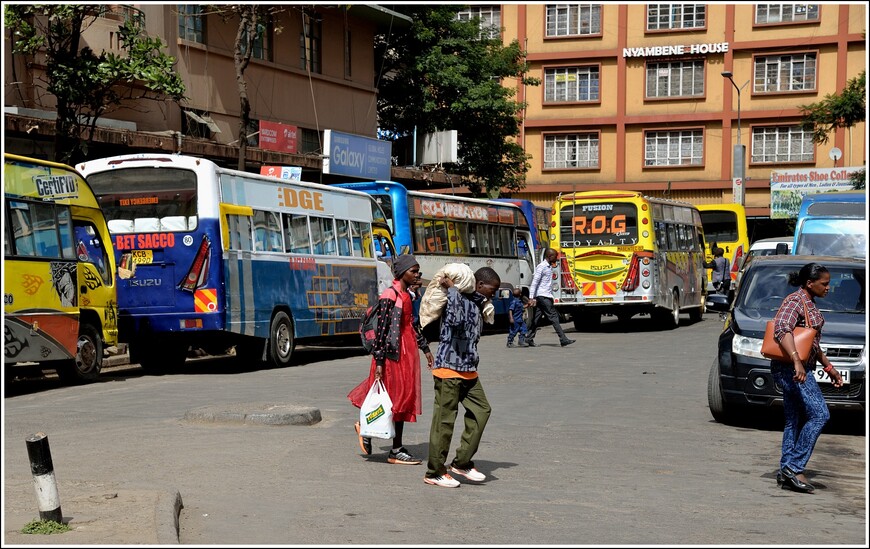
[
  {"x": 740, "y": 377},
  {"x": 762, "y": 247}
]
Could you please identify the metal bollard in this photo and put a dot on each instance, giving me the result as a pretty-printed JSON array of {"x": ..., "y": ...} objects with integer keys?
[{"x": 43, "y": 477}]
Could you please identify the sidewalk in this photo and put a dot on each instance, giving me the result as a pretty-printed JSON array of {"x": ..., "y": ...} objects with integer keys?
[{"x": 98, "y": 514}]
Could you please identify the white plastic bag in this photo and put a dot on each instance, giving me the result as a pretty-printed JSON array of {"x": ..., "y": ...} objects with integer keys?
[{"x": 376, "y": 413}]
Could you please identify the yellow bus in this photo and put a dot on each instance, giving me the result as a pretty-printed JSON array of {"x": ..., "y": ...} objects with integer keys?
[
  {"x": 59, "y": 301},
  {"x": 725, "y": 227},
  {"x": 622, "y": 253}
]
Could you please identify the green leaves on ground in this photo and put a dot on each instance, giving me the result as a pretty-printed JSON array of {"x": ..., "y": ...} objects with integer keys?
[{"x": 45, "y": 527}]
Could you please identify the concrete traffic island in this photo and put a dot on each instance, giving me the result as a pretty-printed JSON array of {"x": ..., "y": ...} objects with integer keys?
[{"x": 255, "y": 414}]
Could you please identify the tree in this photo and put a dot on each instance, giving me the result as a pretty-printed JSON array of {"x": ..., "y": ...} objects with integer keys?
[
  {"x": 441, "y": 75},
  {"x": 87, "y": 85},
  {"x": 837, "y": 110},
  {"x": 252, "y": 26}
]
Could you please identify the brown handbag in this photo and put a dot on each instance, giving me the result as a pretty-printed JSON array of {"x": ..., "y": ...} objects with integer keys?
[{"x": 803, "y": 341}]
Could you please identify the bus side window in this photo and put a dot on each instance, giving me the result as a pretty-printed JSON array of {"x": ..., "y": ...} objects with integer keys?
[
  {"x": 344, "y": 248},
  {"x": 240, "y": 232}
]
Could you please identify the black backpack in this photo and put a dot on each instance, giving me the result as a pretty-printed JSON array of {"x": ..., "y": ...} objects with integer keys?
[{"x": 369, "y": 324}]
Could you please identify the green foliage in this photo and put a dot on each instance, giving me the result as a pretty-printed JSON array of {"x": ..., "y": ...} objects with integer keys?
[
  {"x": 859, "y": 179},
  {"x": 440, "y": 75},
  {"x": 838, "y": 110},
  {"x": 44, "y": 527},
  {"x": 87, "y": 84}
]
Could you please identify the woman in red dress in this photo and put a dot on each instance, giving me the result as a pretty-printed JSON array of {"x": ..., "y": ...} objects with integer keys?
[{"x": 395, "y": 359}]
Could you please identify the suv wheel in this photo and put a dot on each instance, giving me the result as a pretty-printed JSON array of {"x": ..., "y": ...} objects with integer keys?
[{"x": 718, "y": 407}]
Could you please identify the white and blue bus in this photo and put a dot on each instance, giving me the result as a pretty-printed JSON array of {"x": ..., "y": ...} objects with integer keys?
[
  {"x": 832, "y": 223},
  {"x": 213, "y": 258},
  {"x": 440, "y": 229}
]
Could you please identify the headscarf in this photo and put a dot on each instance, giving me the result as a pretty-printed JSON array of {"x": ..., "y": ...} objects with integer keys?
[{"x": 402, "y": 263}]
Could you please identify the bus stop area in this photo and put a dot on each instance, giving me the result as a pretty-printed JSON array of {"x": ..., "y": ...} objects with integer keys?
[{"x": 603, "y": 444}]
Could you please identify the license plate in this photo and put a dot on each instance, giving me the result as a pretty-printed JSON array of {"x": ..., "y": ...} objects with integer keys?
[
  {"x": 598, "y": 299},
  {"x": 822, "y": 377},
  {"x": 143, "y": 256}
]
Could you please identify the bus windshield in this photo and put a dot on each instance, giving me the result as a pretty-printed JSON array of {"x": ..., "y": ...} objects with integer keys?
[
  {"x": 136, "y": 200},
  {"x": 719, "y": 225},
  {"x": 598, "y": 224}
]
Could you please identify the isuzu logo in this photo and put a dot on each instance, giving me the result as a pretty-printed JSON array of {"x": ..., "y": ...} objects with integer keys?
[{"x": 144, "y": 282}]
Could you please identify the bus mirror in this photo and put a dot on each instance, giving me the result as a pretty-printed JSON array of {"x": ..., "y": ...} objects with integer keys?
[
  {"x": 406, "y": 249},
  {"x": 782, "y": 248}
]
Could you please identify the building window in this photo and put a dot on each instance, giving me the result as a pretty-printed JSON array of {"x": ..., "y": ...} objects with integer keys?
[
  {"x": 779, "y": 73},
  {"x": 571, "y": 84},
  {"x": 674, "y": 148},
  {"x": 579, "y": 150},
  {"x": 262, "y": 48},
  {"x": 675, "y": 79},
  {"x": 310, "y": 42},
  {"x": 573, "y": 19},
  {"x": 785, "y": 13},
  {"x": 309, "y": 141},
  {"x": 781, "y": 145},
  {"x": 197, "y": 124},
  {"x": 191, "y": 23},
  {"x": 490, "y": 19},
  {"x": 675, "y": 16}
]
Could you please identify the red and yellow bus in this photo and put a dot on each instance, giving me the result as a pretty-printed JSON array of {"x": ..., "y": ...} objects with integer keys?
[
  {"x": 59, "y": 298},
  {"x": 622, "y": 253}
]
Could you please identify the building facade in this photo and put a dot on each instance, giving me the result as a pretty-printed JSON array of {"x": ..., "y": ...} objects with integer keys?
[
  {"x": 312, "y": 69},
  {"x": 633, "y": 96}
]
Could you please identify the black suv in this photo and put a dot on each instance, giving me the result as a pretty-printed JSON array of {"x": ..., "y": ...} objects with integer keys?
[{"x": 740, "y": 377}]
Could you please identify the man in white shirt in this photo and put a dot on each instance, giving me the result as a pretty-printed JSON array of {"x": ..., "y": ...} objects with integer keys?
[{"x": 541, "y": 293}]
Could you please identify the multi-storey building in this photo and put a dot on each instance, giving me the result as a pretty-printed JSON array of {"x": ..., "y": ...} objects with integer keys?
[
  {"x": 633, "y": 96},
  {"x": 313, "y": 68}
]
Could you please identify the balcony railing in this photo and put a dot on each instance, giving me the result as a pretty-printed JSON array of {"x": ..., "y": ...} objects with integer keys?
[{"x": 122, "y": 12}]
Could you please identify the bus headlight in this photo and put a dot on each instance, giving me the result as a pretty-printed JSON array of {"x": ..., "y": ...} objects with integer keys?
[{"x": 746, "y": 346}]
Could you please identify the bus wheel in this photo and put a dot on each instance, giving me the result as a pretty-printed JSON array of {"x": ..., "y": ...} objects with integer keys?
[
  {"x": 673, "y": 319},
  {"x": 89, "y": 357},
  {"x": 281, "y": 340},
  {"x": 586, "y": 320}
]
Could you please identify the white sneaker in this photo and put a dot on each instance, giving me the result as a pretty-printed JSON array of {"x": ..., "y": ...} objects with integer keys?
[
  {"x": 470, "y": 474},
  {"x": 444, "y": 480}
]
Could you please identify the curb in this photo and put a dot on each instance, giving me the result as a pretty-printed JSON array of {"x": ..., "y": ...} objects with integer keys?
[
  {"x": 256, "y": 414},
  {"x": 166, "y": 514}
]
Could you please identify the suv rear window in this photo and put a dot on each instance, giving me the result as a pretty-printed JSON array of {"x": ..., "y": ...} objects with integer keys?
[{"x": 765, "y": 286}]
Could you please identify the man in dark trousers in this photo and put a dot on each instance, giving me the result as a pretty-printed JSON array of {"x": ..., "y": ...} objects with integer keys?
[{"x": 541, "y": 293}]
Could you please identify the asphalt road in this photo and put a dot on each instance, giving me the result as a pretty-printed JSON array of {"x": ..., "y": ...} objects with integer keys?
[{"x": 606, "y": 442}]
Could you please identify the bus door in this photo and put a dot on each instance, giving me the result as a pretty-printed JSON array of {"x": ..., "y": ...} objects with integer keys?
[{"x": 525, "y": 251}]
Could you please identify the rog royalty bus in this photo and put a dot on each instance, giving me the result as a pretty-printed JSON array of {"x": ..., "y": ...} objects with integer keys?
[
  {"x": 213, "y": 257},
  {"x": 622, "y": 253}
]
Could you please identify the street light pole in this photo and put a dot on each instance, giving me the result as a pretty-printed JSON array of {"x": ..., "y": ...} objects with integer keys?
[{"x": 738, "y": 181}]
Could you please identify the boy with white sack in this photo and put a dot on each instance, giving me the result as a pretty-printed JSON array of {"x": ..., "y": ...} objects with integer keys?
[{"x": 435, "y": 297}]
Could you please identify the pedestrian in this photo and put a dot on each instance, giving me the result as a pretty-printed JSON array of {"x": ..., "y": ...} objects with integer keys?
[
  {"x": 399, "y": 336},
  {"x": 721, "y": 271},
  {"x": 457, "y": 382},
  {"x": 802, "y": 402},
  {"x": 541, "y": 294},
  {"x": 516, "y": 307}
]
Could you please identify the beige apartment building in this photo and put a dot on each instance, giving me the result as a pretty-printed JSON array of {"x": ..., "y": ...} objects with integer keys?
[
  {"x": 313, "y": 69},
  {"x": 633, "y": 96}
]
